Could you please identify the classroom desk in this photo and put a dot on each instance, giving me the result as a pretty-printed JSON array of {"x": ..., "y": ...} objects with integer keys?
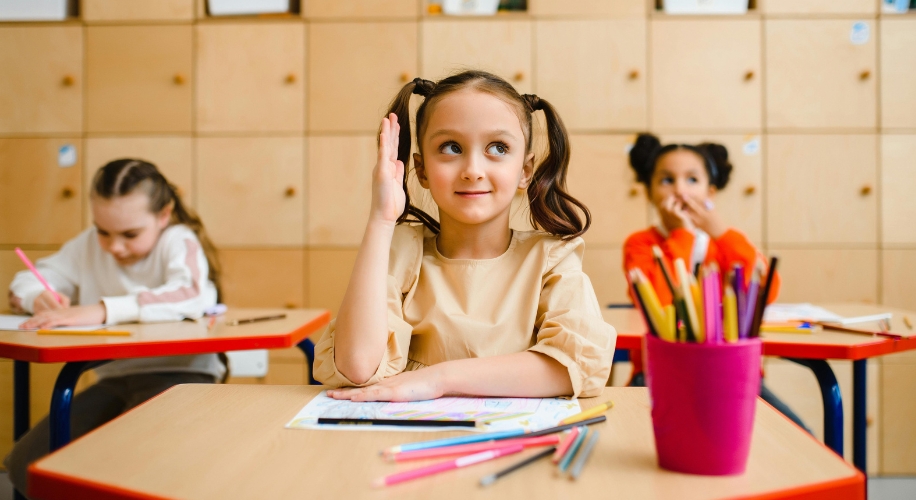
[
  {"x": 81, "y": 353},
  {"x": 812, "y": 351},
  {"x": 227, "y": 442}
]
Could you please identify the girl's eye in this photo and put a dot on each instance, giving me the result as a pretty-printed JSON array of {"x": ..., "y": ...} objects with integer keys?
[
  {"x": 693, "y": 180},
  {"x": 667, "y": 180},
  {"x": 497, "y": 149},
  {"x": 102, "y": 233},
  {"x": 450, "y": 148},
  {"x": 130, "y": 236}
]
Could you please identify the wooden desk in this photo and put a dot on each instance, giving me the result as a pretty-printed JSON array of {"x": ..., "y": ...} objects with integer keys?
[
  {"x": 225, "y": 442},
  {"x": 146, "y": 340},
  {"x": 812, "y": 351}
]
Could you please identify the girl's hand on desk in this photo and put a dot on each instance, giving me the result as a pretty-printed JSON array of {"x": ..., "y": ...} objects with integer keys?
[
  {"x": 704, "y": 218},
  {"x": 47, "y": 302},
  {"x": 415, "y": 385},
  {"x": 388, "y": 177},
  {"x": 72, "y": 316}
]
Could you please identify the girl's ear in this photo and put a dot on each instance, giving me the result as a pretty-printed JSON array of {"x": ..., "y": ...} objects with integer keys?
[
  {"x": 420, "y": 170},
  {"x": 165, "y": 216},
  {"x": 713, "y": 190},
  {"x": 527, "y": 172}
]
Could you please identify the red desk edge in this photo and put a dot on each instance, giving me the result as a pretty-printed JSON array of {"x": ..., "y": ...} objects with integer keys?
[{"x": 151, "y": 349}]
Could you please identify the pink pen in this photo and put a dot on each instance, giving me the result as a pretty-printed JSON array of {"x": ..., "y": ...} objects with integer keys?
[
  {"x": 457, "y": 463},
  {"x": 38, "y": 275}
]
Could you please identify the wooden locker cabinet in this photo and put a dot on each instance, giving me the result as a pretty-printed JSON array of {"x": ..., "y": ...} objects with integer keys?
[
  {"x": 355, "y": 70},
  {"x": 360, "y": 9},
  {"x": 9, "y": 266},
  {"x": 328, "y": 275},
  {"x": 588, "y": 8},
  {"x": 821, "y": 73},
  {"x": 898, "y": 72},
  {"x": 263, "y": 278},
  {"x": 340, "y": 181},
  {"x": 898, "y": 437},
  {"x": 705, "y": 74},
  {"x": 601, "y": 178},
  {"x": 136, "y": 10},
  {"x": 898, "y": 183},
  {"x": 502, "y": 47},
  {"x": 594, "y": 72},
  {"x": 250, "y": 77},
  {"x": 741, "y": 202},
  {"x": 821, "y": 189},
  {"x": 821, "y": 275},
  {"x": 250, "y": 190},
  {"x": 816, "y": 7},
  {"x": 138, "y": 78},
  {"x": 46, "y": 97},
  {"x": 898, "y": 279},
  {"x": 173, "y": 156},
  {"x": 604, "y": 267},
  {"x": 39, "y": 198}
]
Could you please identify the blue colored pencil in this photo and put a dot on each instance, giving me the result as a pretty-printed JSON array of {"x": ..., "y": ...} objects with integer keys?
[{"x": 571, "y": 452}]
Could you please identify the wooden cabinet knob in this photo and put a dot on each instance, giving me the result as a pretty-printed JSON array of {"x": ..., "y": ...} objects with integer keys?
[
  {"x": 291, "y": 78},
  {"x": 179, "y": 79},
  {"x": 405, "y": 77},
  {"x": 866, "y": 190},
  {"x": 634, "y": 74},
  {"x": 290, "y": 305},
  {"x": 68, "y": 80},
  {"x": 290, "y": 192},
  {"x": 864, "y": 75},
  {"x": 750, "y": 190},
  {"x": 749, "y": 76},
  {"x": 634, "y": 191},
  {"x": 519, "y": 76},
  {"x": 67, "y": 193}
]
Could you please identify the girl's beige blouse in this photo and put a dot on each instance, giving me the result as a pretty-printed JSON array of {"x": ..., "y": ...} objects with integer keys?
[{"x": 533, "y": 297}]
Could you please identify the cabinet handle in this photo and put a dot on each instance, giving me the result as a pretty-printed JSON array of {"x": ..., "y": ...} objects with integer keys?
[
  {"x": 750, "y": 190},
  {"x": 291, "y": 78},
  {"x": 634, "y": 192},
  {"x": 67, "y": 193},
  {"x": 519, "y": 76},
  {"x": 749, "y": 76},
  {"x": 290, "y": 305},
  {"x": 179, "y": 79},
  {"x": 290, "y": 192},
  {"x": 864, "y": 75},
  {"x": 405, "y": 77},
  {"x": 866, "y": 190},
  {"x": 68, "y": 80},
  {"x": 634, "y": 74}
]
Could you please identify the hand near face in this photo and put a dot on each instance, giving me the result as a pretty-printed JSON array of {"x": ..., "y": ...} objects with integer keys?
[
  {"x": 704, "y": 217},
  {"x": 674, "y": 214}
]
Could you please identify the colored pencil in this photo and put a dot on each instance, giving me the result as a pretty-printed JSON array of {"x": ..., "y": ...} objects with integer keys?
[
  {"x": 762, "y": 300},
  {"x": 660, "y": 260},
  {"x": 740, "y": 288},
  {"x": 745, "y": 322},
  {"x": 490, "y": 479},
  {"x": 583, "y": 456},
  {"x": 100, "y": 332},
  {"x": 236, "y": 322},
  {"x": 565, "y": 444},
  {"x": 696, "y": 291},
  {"x": 396, "y": 422},
  {"x": 653, "y": 305},
  {"x": 709, "y": 306},
  {"x": 591, "y": 412},
  {"x": 730, "y": 315},
  {"x": 447, "y": 465},
  {"x": 641, "y": 305},
  {"x": 571, "y": 452},
  {"x": 28, "y": 263},
  {"x": 691, "y": 323},
  {"x": 716, "y": 282},
  {"x": 466, "y": 449}
]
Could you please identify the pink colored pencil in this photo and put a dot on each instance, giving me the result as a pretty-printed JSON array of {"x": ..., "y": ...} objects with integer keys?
[
  {"x": 436, "y": 468},
  {"x": 38, "y": 275},
  {"x": 709, "y": 306},
  {"x": 465, "y": 449},
  {"x": 565, "y": 444}
]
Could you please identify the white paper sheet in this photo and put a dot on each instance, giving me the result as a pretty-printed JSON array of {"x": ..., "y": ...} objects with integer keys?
[
  {"x": 497, "y": 414},
  {"x": 779, "y": 313},
  {"x": 9, "y": 322}
]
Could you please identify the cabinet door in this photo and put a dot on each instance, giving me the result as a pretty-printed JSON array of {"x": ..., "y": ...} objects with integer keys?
[
  {"x": 594, "y": 71},
  {"x": 10, "y": 265},
  {"x": 45, "y": 97},
  {"x": 360, "y": 9},
  {"x": 604, "y": 267},
  {"x": 898, "y": 438},
  {"x": 40, "y": 190},
  {"x": 250, "y": 190},
  {"x": 821, "y": 189},
  {"x": 898, "y": 279},
  {"x": 587, "y": 8},
  {"x": 705, "y": 74},
  {"x": 137, "y": 78},
  {"x": 263, "y": 278},
  {"x": 780, "y": 7},
  {"x": 500, "y": 47},
  {"x": 328, "y": 275},
  {"x": 340, "y": 188},
  {"x": 827, "y": 275},
  {"x": 898, "y": 183},
  {"x": 172, "y": 156},
  {"x": 898, "y": 72},
  {"x": 741, "y": 202},
  {"x": 600, "y": 177},
  {"x": 136, "y": 10},
  {"x": 821, "y": 73},
  {"x": 355, "y": 70},
  {"x": 250, "y": 77}
]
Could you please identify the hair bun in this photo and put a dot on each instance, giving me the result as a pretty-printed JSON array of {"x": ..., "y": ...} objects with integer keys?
[
  {"x": 534, "y": 102},
  {"x": 423, "y": 87},
  {"x": 641, "y": 154},
  {"x": 719, "y": 154}
]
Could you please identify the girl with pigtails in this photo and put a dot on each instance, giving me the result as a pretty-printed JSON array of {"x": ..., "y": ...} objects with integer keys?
[{"x": 464, "y": 305}]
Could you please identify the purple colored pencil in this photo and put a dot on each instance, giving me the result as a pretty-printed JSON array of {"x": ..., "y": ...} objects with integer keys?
[
  {"x": 717, "y": 286},
  {"x": 744, "y": 329},
  {"x": 740, "y": 293}
]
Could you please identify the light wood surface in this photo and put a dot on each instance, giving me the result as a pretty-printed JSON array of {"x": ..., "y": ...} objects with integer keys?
[
  {"x": 263, "y": 278},
  {"x": 898, "y": 280},
  {"x": 342, "y": 165},
  {"x": 700, "y": 74},
  {"x": 41, "y": 98},
  {"x": 777, "y": 7},
  {"x": 328, "y": 274},
  {"x": 602, "y": 265},
  {"x": 359, "y": 9},
  {"x": 201, "y": 442},
  {"x": 588, "y": 8},
  {"x": 136, "y": 10},
  {"x": 898, "y": 71},
  {"x": 898, "y": 205},
  {"x": 827, "y": 274}
]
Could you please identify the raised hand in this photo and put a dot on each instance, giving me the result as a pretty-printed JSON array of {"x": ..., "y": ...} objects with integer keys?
[{"x": 388, "y": 196}]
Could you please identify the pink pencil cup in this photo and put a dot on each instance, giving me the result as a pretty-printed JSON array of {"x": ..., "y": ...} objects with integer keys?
[{"x": 703, "y": 402}]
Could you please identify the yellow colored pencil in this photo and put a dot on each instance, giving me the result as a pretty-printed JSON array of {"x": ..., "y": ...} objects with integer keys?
[
  {"x": 589, "y": 413},
  {"x": 695, "y": 292},
  {"x": 106, "y": 333},
  {"x": 671, "y": 322},
  {"x": 653, "y": 306},
  {"x": 684, "y": 277},
  {"x": 730, "y": 315}
]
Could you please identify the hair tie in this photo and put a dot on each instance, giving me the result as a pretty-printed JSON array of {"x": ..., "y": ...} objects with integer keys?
[
  {"x": 423, "y": 87},
  {"x": 534, "y": 102}
]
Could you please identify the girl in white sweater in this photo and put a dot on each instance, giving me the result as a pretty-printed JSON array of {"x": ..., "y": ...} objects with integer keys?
[{"x": 146, "y": 259}]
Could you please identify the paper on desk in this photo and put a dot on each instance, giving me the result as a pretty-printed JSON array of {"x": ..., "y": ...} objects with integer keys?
[
  {"x": 9, "y": 322},
  {"x": 781, "y": 313},
  {"x": 498, "y": 414}
]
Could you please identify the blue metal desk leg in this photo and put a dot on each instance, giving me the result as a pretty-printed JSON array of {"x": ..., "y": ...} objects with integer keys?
[
  {"x": 859, "y": 381},
  {"x": 21, "y": 418},
  {"x": 833, "y": 401},
  {"x": 61, "y": 399},
  {"x": 308, "y": 348}
]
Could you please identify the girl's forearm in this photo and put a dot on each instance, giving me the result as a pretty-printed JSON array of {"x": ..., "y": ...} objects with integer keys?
[
  {"x": 361, "y": 335},
  {"x": 523, "y": 374}
]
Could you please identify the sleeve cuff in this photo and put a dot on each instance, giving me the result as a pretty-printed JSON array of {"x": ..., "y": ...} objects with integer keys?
[
  {"x": 124, "y": 309},
  {"x": 575, "y": 374},
  {"x": 28, "y": 298}
]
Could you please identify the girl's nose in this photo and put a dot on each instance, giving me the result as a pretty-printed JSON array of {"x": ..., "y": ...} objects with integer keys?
[{"x": 472, "y": 169}]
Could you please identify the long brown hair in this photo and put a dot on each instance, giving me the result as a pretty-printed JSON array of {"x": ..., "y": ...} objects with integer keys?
[
  {"x": 122, "y": 177},
  {"x": 551, "y": 207}
]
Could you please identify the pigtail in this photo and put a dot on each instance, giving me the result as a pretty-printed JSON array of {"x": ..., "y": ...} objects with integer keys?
[
  {"x": 552, "y": 208},
  {"x": 719, "y": 157},
  {"x": 400, "y": 106},
  {"x": 643, "y": 155}
]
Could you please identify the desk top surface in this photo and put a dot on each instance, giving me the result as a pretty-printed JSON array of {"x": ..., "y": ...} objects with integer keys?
[
  {"x": 168, "y": 339},
  {"x": 229, "y": 441},
  {"x": 820, "y": 345}
]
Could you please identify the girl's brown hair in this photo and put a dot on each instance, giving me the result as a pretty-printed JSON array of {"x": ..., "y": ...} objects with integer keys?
[
  {"x": 552, "y": 208},
  {"x": 122, "y": 177}
]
